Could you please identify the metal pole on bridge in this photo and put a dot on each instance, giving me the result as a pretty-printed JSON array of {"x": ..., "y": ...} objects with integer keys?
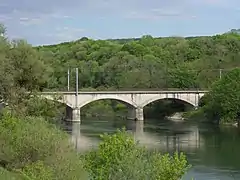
[
  {"x": 220, "y": 70},
  {"x": 76, "y": 87},
  {"x": 68, "y": 80}
]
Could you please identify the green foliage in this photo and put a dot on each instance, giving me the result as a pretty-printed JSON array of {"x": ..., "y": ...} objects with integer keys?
[
  {"x": 22, "y": 143},
  {"x": 7, "y": 175},
  {"x": 41, "y": 107},
  {"x": 144, "y": 63},
  {"x": 222, "y": 102},
  {"x": 120, "y": 157},
  {"x": 37, "y": 149},
  {"x": 22, "y": 70},
  {"x": 37, "y": 171}
]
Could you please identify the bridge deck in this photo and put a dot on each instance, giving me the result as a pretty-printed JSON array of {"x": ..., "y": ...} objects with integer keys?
[{"x": 125, "y": 92}]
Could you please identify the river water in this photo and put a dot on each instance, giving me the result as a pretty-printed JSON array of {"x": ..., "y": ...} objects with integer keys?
[{"x": 212, "y": 151}]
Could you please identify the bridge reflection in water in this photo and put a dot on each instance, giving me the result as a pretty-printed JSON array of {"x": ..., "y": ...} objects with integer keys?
[
  {"x": 81, "y": 142},
  {"x": 186, "y": 139},
  {"x": 167, "y": 140}
]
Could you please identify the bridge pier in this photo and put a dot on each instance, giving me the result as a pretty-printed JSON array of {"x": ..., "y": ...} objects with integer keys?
[
  {"x": 76, "y": 115},
  {"x": 139, "y": 114},
  {"x": 135, "y": 114},
  {"x": 73, "y": 114}
]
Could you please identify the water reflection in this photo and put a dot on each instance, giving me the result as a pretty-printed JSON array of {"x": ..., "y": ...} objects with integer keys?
[
  {"x": 176, "y": 138},
  {"x": 212, "y": 151},
  {"x": 81, "y": 142}
]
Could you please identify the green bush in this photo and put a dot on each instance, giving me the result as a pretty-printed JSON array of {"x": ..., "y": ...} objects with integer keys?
[
  {"x": 37, "y": 149},
  {"x": 119, "y": 157}
]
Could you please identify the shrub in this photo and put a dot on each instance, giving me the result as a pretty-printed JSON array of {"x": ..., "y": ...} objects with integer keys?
[
  {"x": 120, "y": 157},
  {"x": 31, "y": 145}
]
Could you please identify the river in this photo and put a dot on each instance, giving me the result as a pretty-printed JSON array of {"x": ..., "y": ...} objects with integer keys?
[{"x": 212, "y": 151}]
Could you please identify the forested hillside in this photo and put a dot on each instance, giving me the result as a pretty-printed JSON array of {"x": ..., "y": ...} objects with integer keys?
[
  {"x": 144, "y": 63},
  {"x": 127, "y": 64}
]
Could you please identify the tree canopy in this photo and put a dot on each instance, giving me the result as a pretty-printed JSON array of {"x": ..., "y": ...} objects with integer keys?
[
  {"x": 143, "y": 63},
  {"x": 222, "y": 102}
]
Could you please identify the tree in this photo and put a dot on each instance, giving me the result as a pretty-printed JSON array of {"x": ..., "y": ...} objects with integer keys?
[
  {"x": 222, "y": 101},
  {"x": 22, "y": 70}
]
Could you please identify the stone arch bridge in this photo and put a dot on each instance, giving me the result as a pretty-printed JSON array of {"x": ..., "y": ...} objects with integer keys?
[{"x": 135, "y": 100}]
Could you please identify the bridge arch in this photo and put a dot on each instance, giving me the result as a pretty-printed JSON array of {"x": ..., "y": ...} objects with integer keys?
[
  {"x": 157, "y": 98},
  {"x": 123, "y": 100}
]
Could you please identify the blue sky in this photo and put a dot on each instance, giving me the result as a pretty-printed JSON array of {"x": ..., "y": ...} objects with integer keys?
[{"x": 54, "y": 21}]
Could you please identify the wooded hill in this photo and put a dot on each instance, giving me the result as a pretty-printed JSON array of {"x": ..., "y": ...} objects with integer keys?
[{"x": 147, "y": 62}]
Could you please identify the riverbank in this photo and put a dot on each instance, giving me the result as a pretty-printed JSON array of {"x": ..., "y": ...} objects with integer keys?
[
  {"x": 33, "y": 148},
  {"x": 176, "y": 117},
  {"x": 198, "y": 115}
]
